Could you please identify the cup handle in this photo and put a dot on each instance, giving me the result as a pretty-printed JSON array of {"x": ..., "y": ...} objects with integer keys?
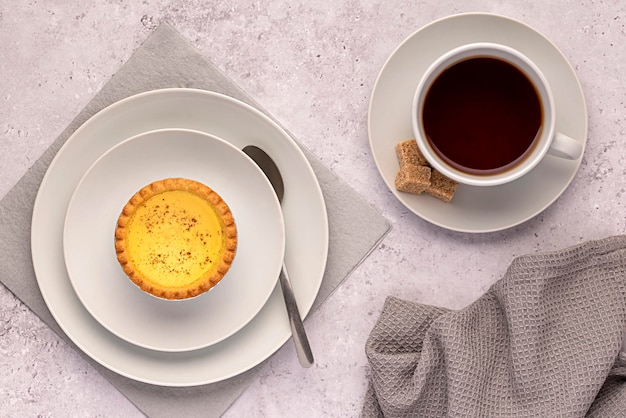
[{"x": 565, "y": 147}]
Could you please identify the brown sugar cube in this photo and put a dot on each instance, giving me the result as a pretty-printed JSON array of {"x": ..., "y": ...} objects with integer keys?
[
  {"x": 441, "y": 187},
  {"x": 408, "y": 153},
  {"x": 413, "y": 179}
]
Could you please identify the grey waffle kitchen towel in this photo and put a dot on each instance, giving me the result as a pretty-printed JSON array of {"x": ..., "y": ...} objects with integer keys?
[{"x": 544, "y": 341}]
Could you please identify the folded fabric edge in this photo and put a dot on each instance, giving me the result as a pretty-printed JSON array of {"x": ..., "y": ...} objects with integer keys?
[{"x": 608, "y": 250}]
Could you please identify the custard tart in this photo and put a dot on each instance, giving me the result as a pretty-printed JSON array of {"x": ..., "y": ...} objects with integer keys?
[{"x": 176, "y": 238}]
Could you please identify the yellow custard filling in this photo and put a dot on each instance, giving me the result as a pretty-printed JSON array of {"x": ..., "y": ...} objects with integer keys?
[{"x": 176, "y": 238}]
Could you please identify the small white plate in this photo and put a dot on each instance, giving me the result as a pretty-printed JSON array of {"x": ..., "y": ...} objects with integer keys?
[
  {"x": 117, "y": 303},
  {"x": 475, "y": 209}
]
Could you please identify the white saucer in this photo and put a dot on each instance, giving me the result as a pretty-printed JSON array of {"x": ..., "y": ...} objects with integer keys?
[
  {"x": 475, "y": 209},
  {"x": 304, "y": 215},
  {"x": 117, "y": 303}
]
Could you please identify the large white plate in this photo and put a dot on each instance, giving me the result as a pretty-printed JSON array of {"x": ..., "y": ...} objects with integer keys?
[
  {"x": 475, "y": 209},
  {"x": 119, "y": 305},
  {"x": 304, "y": 215}
]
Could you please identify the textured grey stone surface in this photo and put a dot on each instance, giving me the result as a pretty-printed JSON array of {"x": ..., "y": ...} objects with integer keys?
[{"x": 312, "y": 65}]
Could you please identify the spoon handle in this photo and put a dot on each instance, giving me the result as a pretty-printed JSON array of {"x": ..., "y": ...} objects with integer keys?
[{"x": 303, "y": 349}]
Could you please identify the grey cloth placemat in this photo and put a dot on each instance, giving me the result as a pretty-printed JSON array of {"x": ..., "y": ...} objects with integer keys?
[
  {"x": 166, "y": 59},
  {"x": 542, "y": 342}
]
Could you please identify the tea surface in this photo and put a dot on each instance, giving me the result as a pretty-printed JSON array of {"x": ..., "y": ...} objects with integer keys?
[{"x": 482, "y": 115}]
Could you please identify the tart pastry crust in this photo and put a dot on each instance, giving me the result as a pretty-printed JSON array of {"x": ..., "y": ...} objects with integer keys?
[{"x": 176, "y": 238}]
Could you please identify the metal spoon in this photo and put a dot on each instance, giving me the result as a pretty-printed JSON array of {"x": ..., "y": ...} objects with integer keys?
[{"x": 267, "y": 165}]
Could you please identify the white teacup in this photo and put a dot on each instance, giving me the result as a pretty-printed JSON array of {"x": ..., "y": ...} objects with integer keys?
[{"x": 489, "y": 130}]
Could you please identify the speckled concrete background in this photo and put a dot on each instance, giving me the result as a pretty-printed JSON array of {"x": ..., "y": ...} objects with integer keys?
[{"x": 313, "y": 66}]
